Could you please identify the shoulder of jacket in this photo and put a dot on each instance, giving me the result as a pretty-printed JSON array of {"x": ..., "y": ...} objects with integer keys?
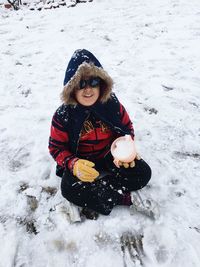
[
  {"x": 62, "y": 112},
  {"x": 63, "y": 108},
  {"x": 114, "y": 101}
]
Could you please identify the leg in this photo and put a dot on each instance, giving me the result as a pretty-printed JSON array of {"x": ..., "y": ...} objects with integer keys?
[
  {"x": 99, "y": 196},
  {"x": 130, "y": 179},
  {"x": 136, "y": 178}
]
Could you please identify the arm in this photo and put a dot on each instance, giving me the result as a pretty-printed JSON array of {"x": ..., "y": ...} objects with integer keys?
[
  {"x": 59, "y": 141},
  {"x": 125, "y": 119},
  {"x": 59, "y": 150}
]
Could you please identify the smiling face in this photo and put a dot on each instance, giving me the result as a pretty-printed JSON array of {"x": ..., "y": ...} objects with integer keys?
[{"x": 88, "y": 95}]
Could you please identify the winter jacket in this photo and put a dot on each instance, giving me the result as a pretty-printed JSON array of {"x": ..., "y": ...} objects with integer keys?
[{"x": 68, "y": 122}]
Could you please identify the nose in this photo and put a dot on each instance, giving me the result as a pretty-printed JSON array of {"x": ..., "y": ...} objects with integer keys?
[{"x": 87, "y": 88}]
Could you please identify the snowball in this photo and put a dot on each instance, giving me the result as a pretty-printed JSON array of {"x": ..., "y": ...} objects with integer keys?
[{"x": 123, "y": 148}]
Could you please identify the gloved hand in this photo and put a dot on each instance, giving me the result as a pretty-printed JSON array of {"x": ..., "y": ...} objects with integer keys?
[
  {"x": 83, "y": 170},
  {"x": 127, "y": 164}
]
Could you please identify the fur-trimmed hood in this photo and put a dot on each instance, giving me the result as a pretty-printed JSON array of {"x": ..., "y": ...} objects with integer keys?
[{"x": 84, "y": 64}]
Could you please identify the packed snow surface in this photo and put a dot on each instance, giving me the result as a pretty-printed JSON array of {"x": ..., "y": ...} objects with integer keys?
[{"x": 151, "y": 49}]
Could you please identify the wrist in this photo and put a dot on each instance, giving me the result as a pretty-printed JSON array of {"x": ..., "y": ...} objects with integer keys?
[{"x": 70, "y": 163}]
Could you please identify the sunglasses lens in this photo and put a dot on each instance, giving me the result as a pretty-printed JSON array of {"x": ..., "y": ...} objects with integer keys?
[
  {"x": 82, "y": 84},
  {"x": 94, "y": 82}
]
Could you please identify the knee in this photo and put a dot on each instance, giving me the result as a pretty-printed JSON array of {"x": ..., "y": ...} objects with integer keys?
[
  {"x": 148, "y": 172},
  {"x": 145, "y": 171},
  {"x": 66, "y": 191},
  {"x": 71, "y": 195},
  {"x": 66, "y": 188}
]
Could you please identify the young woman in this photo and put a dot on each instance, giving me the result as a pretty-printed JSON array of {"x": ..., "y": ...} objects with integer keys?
[{"x": 82, "y": 131}]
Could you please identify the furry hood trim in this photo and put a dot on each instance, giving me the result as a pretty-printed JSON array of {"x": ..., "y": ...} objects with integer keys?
[{"x": 84, "y": 64}]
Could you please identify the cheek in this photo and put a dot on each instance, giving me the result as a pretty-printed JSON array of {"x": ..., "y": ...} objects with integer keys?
[
  {"x": 77, "y": 95},
  {"x": 98, "y": 93}
]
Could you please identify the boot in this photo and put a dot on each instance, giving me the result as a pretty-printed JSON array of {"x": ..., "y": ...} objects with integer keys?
[
  {"x": 89, "y": 214},
  {"x": 147, "y": 207}
]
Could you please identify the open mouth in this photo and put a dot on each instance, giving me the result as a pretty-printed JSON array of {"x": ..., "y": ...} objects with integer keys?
[{"x": 87, "y": 96}]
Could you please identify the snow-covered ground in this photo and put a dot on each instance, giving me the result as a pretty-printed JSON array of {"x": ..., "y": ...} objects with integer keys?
[{"x": 151, "y": 49}]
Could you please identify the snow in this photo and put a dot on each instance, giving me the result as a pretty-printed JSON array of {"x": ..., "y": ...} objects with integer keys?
[
  {"x": 151, "y": 49},
  {"x": 123, "y": 148}
]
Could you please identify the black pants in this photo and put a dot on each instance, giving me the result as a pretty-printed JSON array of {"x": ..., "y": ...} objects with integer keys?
[{"x": 105, "y": 193}]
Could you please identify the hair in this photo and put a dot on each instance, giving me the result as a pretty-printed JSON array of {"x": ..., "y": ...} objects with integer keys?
[{"x": 87, "y": 70}]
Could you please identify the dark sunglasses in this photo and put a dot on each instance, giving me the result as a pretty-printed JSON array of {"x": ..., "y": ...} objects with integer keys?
[{"x": 92, "y": 82}]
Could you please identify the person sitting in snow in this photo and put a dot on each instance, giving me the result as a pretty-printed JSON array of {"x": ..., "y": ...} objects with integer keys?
[{"x": 82, "y": 131}]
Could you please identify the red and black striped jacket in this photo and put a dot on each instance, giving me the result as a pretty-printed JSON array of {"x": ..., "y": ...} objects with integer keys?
[{"x": 87, "y": 132}]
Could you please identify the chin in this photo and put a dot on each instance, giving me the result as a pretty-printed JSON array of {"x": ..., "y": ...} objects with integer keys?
[{"x": 88, "y": 104}]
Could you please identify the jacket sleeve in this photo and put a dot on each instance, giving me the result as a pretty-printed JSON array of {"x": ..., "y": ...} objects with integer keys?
[
  {"x": 59, "y": 141},
  {"x": 125, "y": 119}
]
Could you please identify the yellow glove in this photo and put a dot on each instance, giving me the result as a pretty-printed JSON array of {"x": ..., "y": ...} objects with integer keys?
[
  {"x": 129, "y": 164},
  {"x": 83, "y": 170}
]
